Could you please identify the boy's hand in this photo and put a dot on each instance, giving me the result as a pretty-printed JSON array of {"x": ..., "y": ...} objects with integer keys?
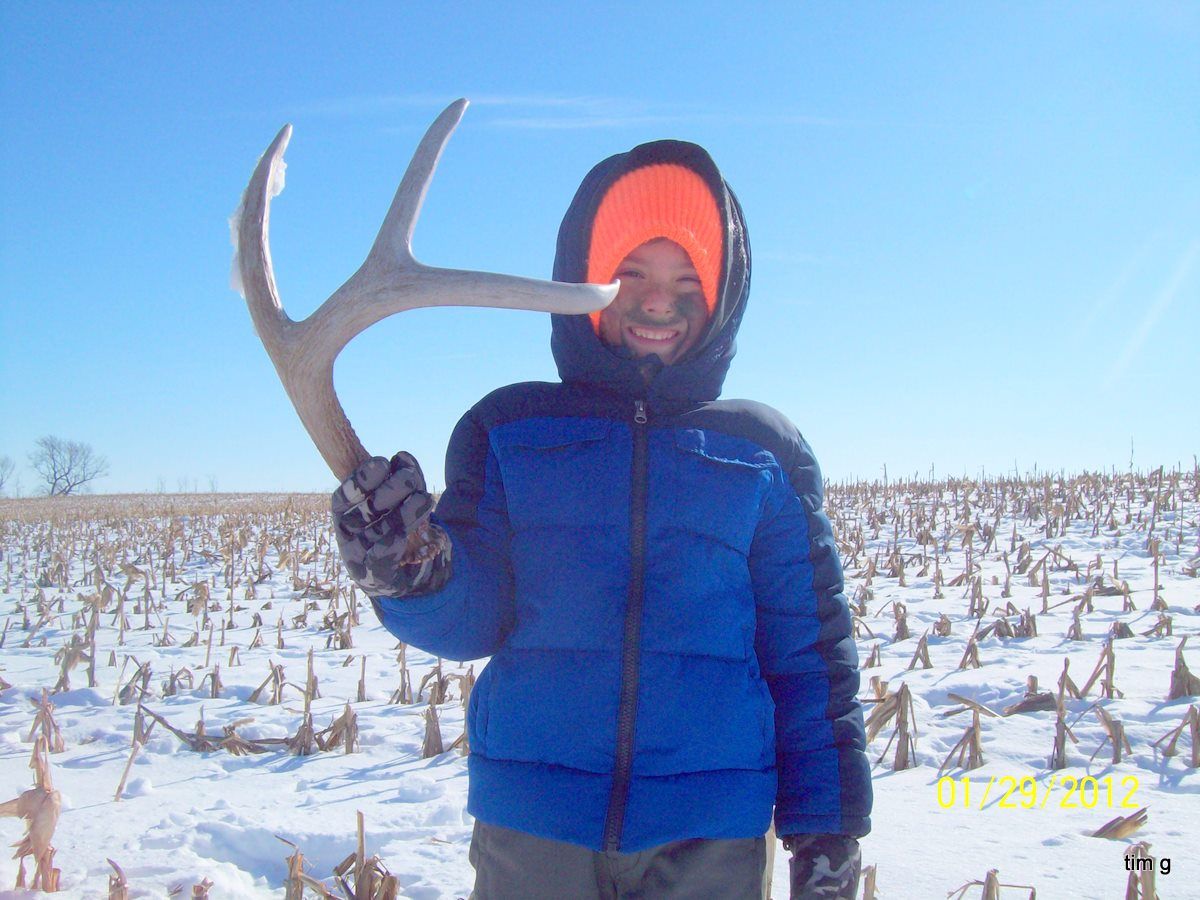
[
  {"x": 381, "y": 520},
  {"x": 824, "y": 866}
]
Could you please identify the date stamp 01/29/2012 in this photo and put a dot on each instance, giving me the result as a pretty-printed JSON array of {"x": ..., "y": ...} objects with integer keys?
[
  {"x": 1010, "y": 792},
  {"x": 1058, "y": 791}
]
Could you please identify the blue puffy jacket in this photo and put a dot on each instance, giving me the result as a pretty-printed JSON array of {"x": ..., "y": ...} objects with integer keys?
[{"x": 651, "y": 573}]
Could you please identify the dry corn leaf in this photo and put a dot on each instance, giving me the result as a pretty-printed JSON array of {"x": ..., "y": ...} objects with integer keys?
[
  {"x": 1123, "y": 826},
  {"x": 40, "y": 808}
]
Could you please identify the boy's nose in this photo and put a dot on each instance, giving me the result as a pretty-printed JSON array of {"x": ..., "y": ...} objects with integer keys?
[{"x": 659, "y": 302}]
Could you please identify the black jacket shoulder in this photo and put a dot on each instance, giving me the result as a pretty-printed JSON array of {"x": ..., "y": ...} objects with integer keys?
[{"x": 770, "y": 429}]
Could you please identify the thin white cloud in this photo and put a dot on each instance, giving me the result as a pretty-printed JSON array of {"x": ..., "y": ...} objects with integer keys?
[
  {"x": 674, "y": 118},
  {"x": 550, "y": 112},
  {"x": 1119, "y": 284},
  {"x": 349, "y": 107},
  {"x": 1161, "y": 304},
  {"x": 574, "y": 122},
  {"x": 571, "y": 113},
  {"x": 592, "y": 103},
  {"x": 376, "y": 104}
]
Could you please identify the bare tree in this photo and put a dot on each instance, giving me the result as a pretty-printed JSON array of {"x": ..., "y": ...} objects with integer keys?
[
  {"x": 6, "y": 470},
  {"x": 66, "y": 466}
]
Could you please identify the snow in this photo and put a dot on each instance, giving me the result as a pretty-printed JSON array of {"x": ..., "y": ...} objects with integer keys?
[{"x": 185, "y": 816}]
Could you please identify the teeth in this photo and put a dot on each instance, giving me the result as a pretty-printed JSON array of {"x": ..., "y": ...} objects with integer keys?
[{"x": 654, "y": 335}]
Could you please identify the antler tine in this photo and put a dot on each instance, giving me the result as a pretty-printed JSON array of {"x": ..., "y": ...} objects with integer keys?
[
  {"x": 254, "y": 275},
  {"x": 397, "y": 231},
  {"x": 390, "y": 280}
]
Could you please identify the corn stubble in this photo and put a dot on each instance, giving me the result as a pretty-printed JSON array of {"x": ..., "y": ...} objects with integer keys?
[
  {"x": 938, "y": 533},
  {"x": 133, "y": 558},
  {"x": 140, "y": 561},
  {"x": 40, "y": 807},
  {"x": 991, "y": 886},
  {"x": 358, "y": 876}
]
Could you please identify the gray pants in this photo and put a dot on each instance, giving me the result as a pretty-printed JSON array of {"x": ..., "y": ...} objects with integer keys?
[{"x": 512, "y": 865}]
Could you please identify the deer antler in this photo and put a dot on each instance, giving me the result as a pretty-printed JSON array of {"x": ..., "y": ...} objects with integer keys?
[{"x": 389, "y": 281}]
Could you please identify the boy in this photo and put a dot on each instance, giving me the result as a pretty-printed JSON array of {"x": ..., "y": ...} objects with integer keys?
[{"x": 650, "y": 572}]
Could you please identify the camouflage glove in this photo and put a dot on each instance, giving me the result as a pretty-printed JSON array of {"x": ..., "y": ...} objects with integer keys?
[
  {"x": 381, "y": 520},
  {"x": 823, "y": 866}
]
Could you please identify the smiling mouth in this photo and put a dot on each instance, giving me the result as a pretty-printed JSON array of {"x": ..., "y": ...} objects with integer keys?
[{"x": 656, "y": 335}]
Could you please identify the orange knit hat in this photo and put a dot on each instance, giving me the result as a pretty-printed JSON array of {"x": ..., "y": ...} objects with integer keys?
[{"x": 664, "y": 200}]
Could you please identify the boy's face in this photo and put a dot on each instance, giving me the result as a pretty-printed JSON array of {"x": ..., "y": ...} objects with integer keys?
[{"x": 660, "y": 306}]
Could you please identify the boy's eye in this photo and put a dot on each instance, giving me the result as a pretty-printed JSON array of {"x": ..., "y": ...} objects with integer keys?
[{"x": 629, "y": 273}]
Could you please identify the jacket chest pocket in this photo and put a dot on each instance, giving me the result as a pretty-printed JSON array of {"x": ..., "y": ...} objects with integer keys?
[
  {"x": 563, "y": 473},
  {"x": 719, "y": 485}
]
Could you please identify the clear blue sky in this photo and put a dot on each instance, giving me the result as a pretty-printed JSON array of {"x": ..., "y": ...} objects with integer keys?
[{"x": 976, "y": 227}]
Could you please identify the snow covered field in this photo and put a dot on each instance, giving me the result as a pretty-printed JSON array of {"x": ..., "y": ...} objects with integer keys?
[{"x": 198, "y": 581}]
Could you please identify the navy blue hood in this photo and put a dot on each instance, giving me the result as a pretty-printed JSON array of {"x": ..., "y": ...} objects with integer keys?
[{"x": 579, "y": 352}]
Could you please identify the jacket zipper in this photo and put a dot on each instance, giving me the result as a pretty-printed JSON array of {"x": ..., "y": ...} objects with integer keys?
[{"x": 631, "y": 642}]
